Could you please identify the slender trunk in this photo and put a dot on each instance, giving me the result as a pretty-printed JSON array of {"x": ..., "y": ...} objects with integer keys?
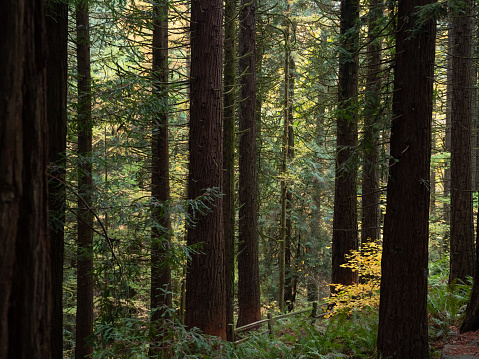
[
  {"x": 249, "y": 307},
  {"x": 84, "y": 325},
  {"x": 462, "y": 222},
  {"x": 56, "y": 17},
  {"x": 290, "y": 273},
  {"x": 284, "y": 167},
  {"x": 345, "y": 222},
  {"x": 161, "y": 301},
  {"x": 370, "y": 230},
  {"x": 447, "y": 145},
  {"x": 229, "y": 101}
]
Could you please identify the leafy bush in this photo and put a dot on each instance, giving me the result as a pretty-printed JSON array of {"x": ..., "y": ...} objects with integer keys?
[{"x": 365, "y": 294}]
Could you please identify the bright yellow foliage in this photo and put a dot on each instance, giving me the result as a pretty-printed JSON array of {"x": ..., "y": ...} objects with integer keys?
[{"x": 365, "y": 294}]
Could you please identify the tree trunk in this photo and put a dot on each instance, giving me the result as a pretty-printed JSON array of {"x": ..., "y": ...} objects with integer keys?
[
  {"x": 290, "y": 272},
  {"x": 345, "y": 222},
  {"x": 284, "y": 165},
  {"x": 56, "y": 18},
  {"x": 403, "y": 331},
  {"x": 161, "y": 301},
  {"x": 205, "y": 279},
  {"x": 229, "y": 102},
  {"x": 462, "y": 222},
  {"x": 84, "y": 324},
  {"x": 447, "y": 145},
  {"x": 370, "y": 231},
  {"x": 248, "y": 265},
  {"x": 26, "y": 287}
]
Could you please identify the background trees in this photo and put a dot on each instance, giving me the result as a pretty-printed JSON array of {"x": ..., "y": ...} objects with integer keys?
[{"x": 163, "y": 177}]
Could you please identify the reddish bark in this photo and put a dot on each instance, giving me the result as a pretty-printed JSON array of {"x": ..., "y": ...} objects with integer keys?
[
  {"x": 345, "y": 222},
  {"x": 248, "y": 266},
  {"x": 403, "y": 331},
  {"x": 205, "y": 279}
]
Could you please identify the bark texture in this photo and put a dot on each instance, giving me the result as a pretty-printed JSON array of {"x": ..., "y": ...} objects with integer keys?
[
  {"x": 25, "y": 299},
  {"x": 56, "y": 17},
  {"x": 205, "y": 279},
  {"x": 229, "y": 102},
  {"x": 248, "y": 266},
  {"x": 403, "y": 331},
  {"x": 290, "y": 276},
  {"x": 345, "y": 218},
  {"x": 462, "y": 222},
  {"x": 84, "y": 324},
  {"x": 161, "y": 299},
  {"x": 371, "y": 214}
]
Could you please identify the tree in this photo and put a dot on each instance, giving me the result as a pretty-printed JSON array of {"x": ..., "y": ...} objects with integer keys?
[
  {"x": 345, "y": 226},
  {"x": 371, "y": 219},
  {"x": 229, "y": 103},
  {"x": 284, "y": 162},
  {"x": 26, "y": 295},
  {"x": 205, "y": 279},
  {"x": 248, "y": 265},
  {"x": 462, "y": 223},
  {"x": 84, "y": 324},
  {"x": 289, "y": 272},
  {"x": 463, "y": 34},
  {"x": 403, "y": 331},
  {"x": 161, "y": 300},
  {"x": 56, "y": 18}
]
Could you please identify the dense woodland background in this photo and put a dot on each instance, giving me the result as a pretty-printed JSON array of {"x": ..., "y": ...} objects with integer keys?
[{"x": 171, "y": 165}]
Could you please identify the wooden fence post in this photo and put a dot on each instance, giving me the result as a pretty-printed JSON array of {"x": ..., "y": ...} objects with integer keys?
[
  {"x": 270, "y": 323},
  {"x": 314, "y": 311}
]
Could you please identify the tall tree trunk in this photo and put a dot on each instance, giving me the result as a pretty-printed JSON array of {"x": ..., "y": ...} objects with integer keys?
[
  {"x": 345, "y": 221},
  {"x": 161, "y": 300},
  {"x": 462, "y": 222},
  {"x": 248, "y": 265},
  {"x": 447, "y": 144},
  {"x": 229, "y": 103},
  {"x": 25, "y": 282},
  {"x": 84, "y": 324},
  {"x": 56, "y": 18},
  {"x": 290, "y": 273},
  {"x": 371, "y": 219},
  {"x": 284, "y": 164},
  {"x": 403, "y": 331},
  {"x": 205, "y": 279}
]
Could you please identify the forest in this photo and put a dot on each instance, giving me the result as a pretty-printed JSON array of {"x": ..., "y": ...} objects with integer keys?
[{"x": 238, "y": 178}]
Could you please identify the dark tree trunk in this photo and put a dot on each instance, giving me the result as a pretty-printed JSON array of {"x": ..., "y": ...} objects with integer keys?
[
  {"x": 248, "y": 266},
  {"x": 403, "y": 331},
  {"x": 84, "y": 324},
  {"x": 284, "y": 164},
  {"x": 161, "y": 300},
  {"x": 447, "y": 145},
  {"x": 462, "y": 222},
  {"x": 229, "y": 103},
  {"x": 290, "y": 271},
  {"x": 345, "y": 221},
  {"x": 56, "y": 16},
  {"x": 371, "y": 218},
  {"x": 205, "y": 279},
  {"x": 26, "y": 292}
]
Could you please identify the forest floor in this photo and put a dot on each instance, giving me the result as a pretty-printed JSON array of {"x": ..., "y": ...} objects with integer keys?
[{"x": 459, "y": 346}]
